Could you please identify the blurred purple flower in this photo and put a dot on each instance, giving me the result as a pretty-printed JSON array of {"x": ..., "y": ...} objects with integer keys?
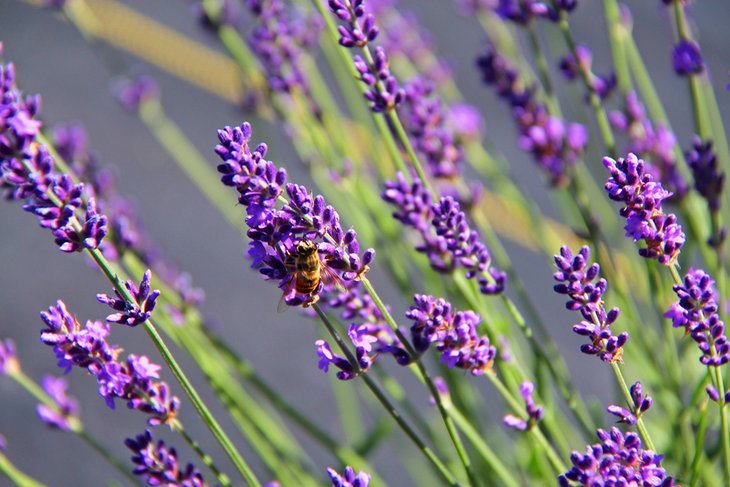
[
  {"x": 132, "y": 93},
  {"x": 687, "y": 59},
  {"x": 65, "y": 416},
  {"x": 9, "y": 363},
  {"x": 709, "y": 180}
]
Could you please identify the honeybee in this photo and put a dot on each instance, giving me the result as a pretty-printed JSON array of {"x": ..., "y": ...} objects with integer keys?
[{"x": 309, "y": 270}]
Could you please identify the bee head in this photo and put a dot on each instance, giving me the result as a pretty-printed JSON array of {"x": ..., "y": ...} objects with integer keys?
[{"x": 306, "y": 247}]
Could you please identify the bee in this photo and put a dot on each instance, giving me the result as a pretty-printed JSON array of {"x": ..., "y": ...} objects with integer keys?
[{"x": 309, "y": 270}]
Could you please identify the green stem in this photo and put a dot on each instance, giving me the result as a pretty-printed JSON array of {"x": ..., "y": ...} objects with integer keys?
[
  {"x": 627, "y": 395},
  {"x": 187, "y": 386},
  {"x": 207, "y": 460},
  {"x": 542, "y": 70},
  {"x": 699, "y": 446},
  {"x": 75, "y": 425},
  {"x": 380, "y": 395},
  {"x": 448, "y": 422},
  {"x": 16, "y": 476},
  {"x": 617, "y": 35}
]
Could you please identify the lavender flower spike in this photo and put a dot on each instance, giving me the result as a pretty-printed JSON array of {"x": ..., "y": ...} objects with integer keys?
[
  {"x": 576, "y": 280},
  {"x": 349, "y": 479},
  {"x": 616, "y": 460},
  {"x": 534, "y": 412},
  {"x": 157, "y": 464},
  {"x": 132, "y": 314},
  {"x": 453, "y": 333},
  {"x": 66, "y": 414},
  {"x": 696, "y": 311},
  {"x": 642, "y": 197}
]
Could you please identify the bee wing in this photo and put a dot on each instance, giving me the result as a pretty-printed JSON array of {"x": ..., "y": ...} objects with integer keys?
[
  {"x": 282, "y": 306},
  {"x": 329, "y": 277}
]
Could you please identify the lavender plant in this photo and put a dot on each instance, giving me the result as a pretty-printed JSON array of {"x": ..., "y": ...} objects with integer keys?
[{"x": 408, "y": 236}]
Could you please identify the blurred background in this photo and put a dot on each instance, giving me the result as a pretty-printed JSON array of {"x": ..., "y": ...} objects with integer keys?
[{"x": 74, "y": 74}]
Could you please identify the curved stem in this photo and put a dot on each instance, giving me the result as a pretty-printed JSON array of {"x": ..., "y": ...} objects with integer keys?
[{"x": 207, "y": 460}]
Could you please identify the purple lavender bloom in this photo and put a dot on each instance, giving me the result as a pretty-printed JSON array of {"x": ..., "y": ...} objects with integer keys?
[
  {"x": 697, "y": 312},
  {"x": 453, "y": 333},
  {"x": 132, "y": 93},
  {"x": 576, "y": 280},
  {"x": 359, "y": 25},
  {"x": 71, "y": 142},
  {"x": 65, "y": 415},
  {"x": 553, "y": 144},
  {"x": 424, "y": 118},
  {"x": 603, "y": 86},
  {"x": 709, "y": 180},
  {"x": 712, "y": 393},
  {"x": 465, "y": 121},
  {"x": 349, "y": 479},
  {"x": 687, "y": 59},
  {"x": 617, "y": 460},
  {"x": 135, "y": 380},
  {"x": 279, "y": 39},
  {"x": 463, "y": 243},
  {"x": 447, "y": 238},
  {"x": 534, "y": 412},
  {"x": 18, "y": 127},
  {"x": 277, "y": 233},
  {"x": 521, "y": 11},
  {"x": 625, "y": 416},
  {"x": 28, "y": 176},
  {"x": 158, "y": 464},
  {"x": 357, "y": 30},
  {"x": 654, "y": 143},
  {"x": 327, "y": 357},
  {"x": 631, "y": 185},
  {"x": 132, "y": 314},
  {"x": 8, "y": 359},
  {"x": 92, "y": 232}
]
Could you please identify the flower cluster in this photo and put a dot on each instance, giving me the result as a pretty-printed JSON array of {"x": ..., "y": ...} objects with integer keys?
[
  {"x": 576, "y": 280},
  {"x": 135, "y": 380},
  {"x": 425, "y": 120},
  {"x": 358, "y": 30},
  {"x": 708, "y": 179},
  {"x": 454, "y": 333},
  {"x": 534, "y": 412},
  {"x": 448, "y": 240},
  {"x": 617, "y": 460},
  {"x": 279, "y": 39},
  {"x": 697, "y": 312},
  {"x": 640, "y": 404},
  {"x": 571, "y": 68},
  {"x": 553, "y": 143},
  {"x": 157, "y": 464},
  {"x": 687, "y": 58},
  {"x": 26, "y": 173},
  {"x": 132, "y": 314},
  {"x": 65, "y": 414},
  {"x": 349, "y": 479},
  {"x": 642, "y": 197},
  {"x": 654, "y": 142},
  {"x": 277, "y": 234},
  {"x": 132, "y": 93}
]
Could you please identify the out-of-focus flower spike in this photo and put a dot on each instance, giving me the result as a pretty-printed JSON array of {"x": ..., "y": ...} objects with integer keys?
[
  {"x": 66, "y": 414},
  {"x": 9, "y": 363},
  {"x": 349, "y": 479},
  {"x": 157, "y": 464}
]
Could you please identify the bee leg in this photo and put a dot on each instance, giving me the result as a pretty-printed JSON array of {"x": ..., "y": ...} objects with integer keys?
[{"x": 309, "y": 302}]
